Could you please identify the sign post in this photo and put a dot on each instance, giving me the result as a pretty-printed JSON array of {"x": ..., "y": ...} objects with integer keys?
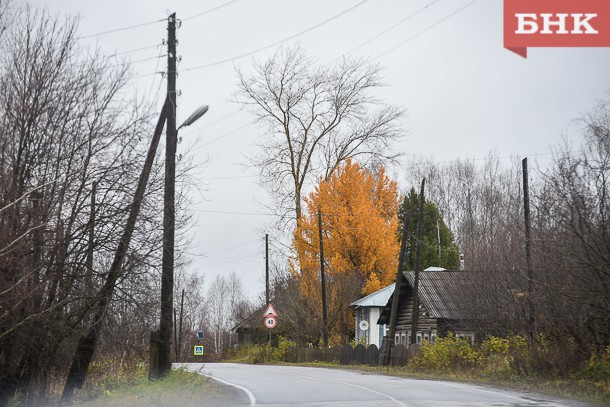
[{"x": 270, "y": 320}]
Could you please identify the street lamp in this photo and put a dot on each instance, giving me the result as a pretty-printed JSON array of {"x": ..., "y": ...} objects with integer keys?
[{"x": 194, "y": 116}]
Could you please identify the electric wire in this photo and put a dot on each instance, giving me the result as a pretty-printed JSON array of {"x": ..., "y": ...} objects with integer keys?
[
  {"x": 152, "y": 83},
  {"x": 209, "y": 11},
  {"x": 235, "y": 247},
  {"x": 442, "y": 20},
  {"x": 131, "y": 27},
  {"x": 219, "y": 137},
  {"x": 234, "y": 177},
  {"x": 133, "y": 51},
  {"x": 276, "y": 43},
  {"x": 234, "y": 213},
  {"x": 211, "y": 123},
  {"x": 387, "y": 30}
]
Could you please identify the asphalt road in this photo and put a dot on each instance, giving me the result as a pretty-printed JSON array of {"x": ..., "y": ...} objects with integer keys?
[{"x": 261, "y": 385}]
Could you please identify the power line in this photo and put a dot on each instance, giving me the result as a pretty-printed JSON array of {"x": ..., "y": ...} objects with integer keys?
[
  {"x": 131, "y": 27},
  {"x": 485, "y": 158},
  {"x": 234, "y": 247},
  {"x": 220, "y": 137},
  {"x": 387, "y": 30},
  {"x": 211, "y": 123},
  {"x": 131, "y": 51},
  {"x": 234, "y": 177},
  {"x": 208, "y": 11},
  {"x": 400, "y": 44},
  {"x": 152, "y": 83},
  {"x": 277, "y": 42},
  {"x": 234, "y": 213}
]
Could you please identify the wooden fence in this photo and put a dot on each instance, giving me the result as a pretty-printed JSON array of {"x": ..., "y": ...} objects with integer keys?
[{"x": 346, "y": 355}]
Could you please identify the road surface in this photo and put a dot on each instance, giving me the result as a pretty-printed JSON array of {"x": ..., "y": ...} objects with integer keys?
[{"x": 296, "y": 386}]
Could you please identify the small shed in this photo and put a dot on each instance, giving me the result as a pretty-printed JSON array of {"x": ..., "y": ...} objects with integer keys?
[
  {"x": 446, "y": 301},
  {"x": 367, "y": 311}
]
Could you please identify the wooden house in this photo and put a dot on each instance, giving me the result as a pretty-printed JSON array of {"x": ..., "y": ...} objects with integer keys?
[
  {"x": 366, "y": 313},
  {"x": 446, "y": 301}
]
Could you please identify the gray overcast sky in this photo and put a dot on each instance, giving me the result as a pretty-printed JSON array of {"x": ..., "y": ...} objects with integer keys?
[{"x": 465, "y": 94}]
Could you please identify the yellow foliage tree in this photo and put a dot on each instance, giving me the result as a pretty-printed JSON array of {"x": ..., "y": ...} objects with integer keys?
[{"x": 359, "y": 212}]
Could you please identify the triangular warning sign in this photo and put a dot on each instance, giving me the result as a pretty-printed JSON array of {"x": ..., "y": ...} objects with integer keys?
[{"x": 270, "y": 311}]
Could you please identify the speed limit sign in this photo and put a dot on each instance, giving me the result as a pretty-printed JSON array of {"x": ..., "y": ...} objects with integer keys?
[{"x": 270, "y": 322}]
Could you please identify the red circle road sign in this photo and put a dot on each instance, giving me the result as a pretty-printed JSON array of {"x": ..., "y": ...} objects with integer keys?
[{"x": 270, "y": 322}]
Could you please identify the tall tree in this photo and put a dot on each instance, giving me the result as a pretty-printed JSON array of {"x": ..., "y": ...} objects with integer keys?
[
  {"x": 315, "y": 117},
  {"x": 359, "y": 211},
  {"x": 434, "y": 229},
  {"x": 64, "y": 124},
  {"x": 226, "y": 305}
]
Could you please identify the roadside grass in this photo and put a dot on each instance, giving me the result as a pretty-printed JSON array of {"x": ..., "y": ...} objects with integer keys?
[{"x": 179, "y": 388}]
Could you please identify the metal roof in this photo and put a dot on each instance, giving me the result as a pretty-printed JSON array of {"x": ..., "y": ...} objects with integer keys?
[
  {"x": 377, "y": 299},
  {"x": 445, "y": 294}
]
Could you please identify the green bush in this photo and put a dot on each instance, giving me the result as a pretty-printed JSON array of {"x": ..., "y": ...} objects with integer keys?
[
  {"x": 279, "y": 353},
  {"x": 597, "y": 367},
  {"x": 446, "y": 354},
  {"x": 262, "y": 353}
]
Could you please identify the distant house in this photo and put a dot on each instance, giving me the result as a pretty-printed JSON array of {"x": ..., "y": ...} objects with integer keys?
[
  {"x": 367, "y": 311},
  {"x": 252, "y": 330},
  {"x": 445, "y": 304}
]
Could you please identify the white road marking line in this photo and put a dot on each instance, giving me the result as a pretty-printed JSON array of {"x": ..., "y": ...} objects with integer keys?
[
  {"x": 248, "y": 392},
  {"x": 350, "y": 384},
  {"x": 488, "y": 391}
]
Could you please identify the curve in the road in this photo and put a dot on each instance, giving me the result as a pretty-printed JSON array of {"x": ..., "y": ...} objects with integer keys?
[
  {"x": 237, "y": 386},
  {"x": 400, "y": 403}
]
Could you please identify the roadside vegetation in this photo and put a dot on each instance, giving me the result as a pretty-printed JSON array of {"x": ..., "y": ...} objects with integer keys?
[
  {"x": 509, "y": 362},
  {"x": 74, "y": 137},
  {"x": 133, "y": 389}
]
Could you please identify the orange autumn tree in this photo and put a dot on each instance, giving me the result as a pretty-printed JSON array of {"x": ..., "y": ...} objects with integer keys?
[{"x": 359, "y": 213}]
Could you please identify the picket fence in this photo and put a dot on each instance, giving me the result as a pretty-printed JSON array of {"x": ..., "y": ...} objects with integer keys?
[{"x": 346, "y": 355}]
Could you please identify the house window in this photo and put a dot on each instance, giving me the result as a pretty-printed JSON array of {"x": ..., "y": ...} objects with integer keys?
[
  {"x": 397, "y": 339},
  {"x": 419, "y": 338}
]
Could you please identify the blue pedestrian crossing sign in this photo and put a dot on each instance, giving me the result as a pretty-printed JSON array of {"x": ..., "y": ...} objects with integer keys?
[{"x": 198, "y": 350}]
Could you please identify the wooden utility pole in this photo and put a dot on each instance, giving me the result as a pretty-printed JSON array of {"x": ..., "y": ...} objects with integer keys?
[
  {"x": 169, "y": 210},
  {"x": 88, "y": 342},
  {"x": 420, "y": 231},
  {"x": 267, "y": 268},
  {"x": 389, "y": 342},
  {"x": 179, "y": 336},
  {"x": 323, "y": 278},
  {"x": 528, "y": 254}
]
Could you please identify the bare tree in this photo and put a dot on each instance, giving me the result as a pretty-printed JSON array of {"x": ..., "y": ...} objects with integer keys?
[
  {"x": 64, "y": 124},
  {"x": 225, "y": 307},
  {"x": 574, "y": 214},
  {"x": 314, "y": 117}
]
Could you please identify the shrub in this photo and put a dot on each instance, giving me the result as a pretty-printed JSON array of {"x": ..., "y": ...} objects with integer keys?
[
  {"x": 448, "y": 353},
  {"x": 279, "y": 353},
  {"x": 504, "y": 357},
  {"x": 263, "y": 353},
  {"x": 597, "y": 368}
]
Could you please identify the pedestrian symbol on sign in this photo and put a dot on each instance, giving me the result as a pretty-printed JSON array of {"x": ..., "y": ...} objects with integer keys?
[{"x": 198, "y": 350}]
